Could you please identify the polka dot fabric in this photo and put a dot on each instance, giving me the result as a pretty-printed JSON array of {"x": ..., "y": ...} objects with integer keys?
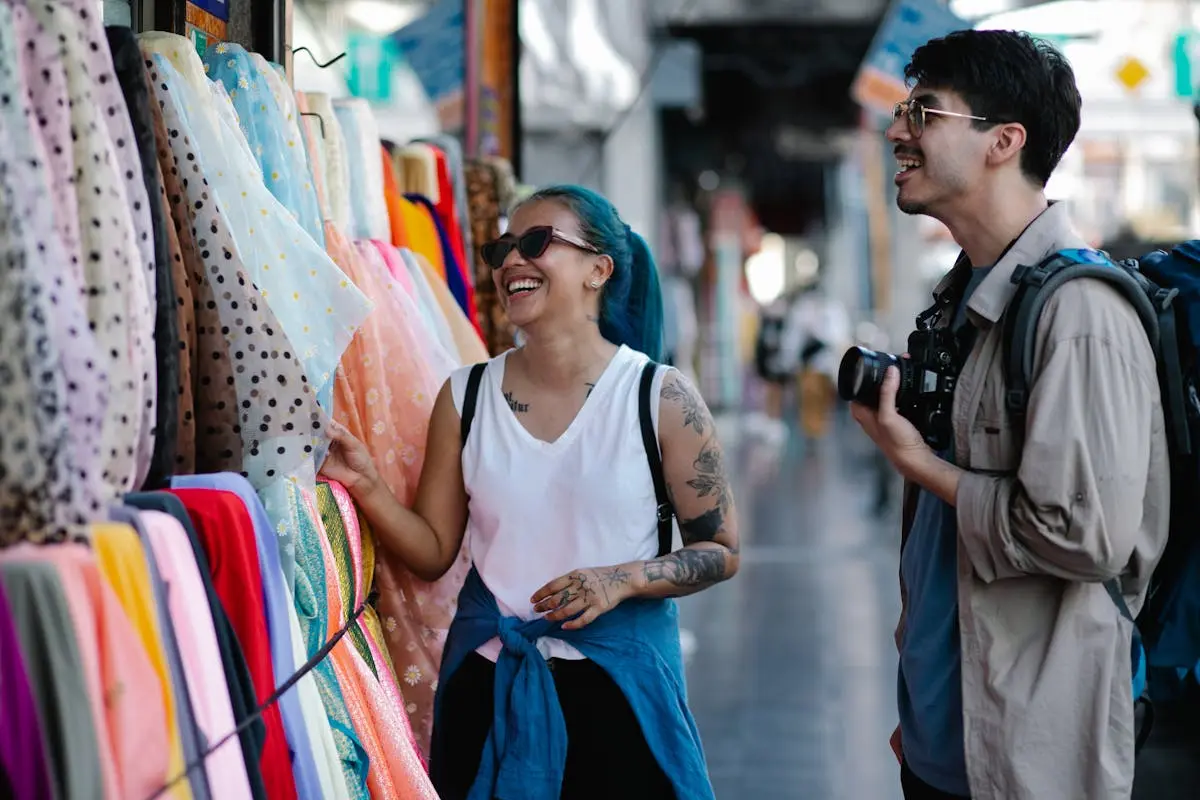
[
  {"x": 278, "y": 148},
  {"x": 46, "y": 87},
  {"x": 319, "y": 307},
  {"x": 114, "y": 271},
  {"x": 278, "y": 417},
  {"x": 209, "y": 428},
  {"x": 47, "y": 470},
  {"x": 94, "y": 52}
]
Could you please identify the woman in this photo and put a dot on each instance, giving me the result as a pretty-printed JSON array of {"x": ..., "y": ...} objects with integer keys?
[{"x": 562, "y": 674}]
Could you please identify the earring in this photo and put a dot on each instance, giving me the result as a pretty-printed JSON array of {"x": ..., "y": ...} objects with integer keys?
[{"x": 595, "y": 284}]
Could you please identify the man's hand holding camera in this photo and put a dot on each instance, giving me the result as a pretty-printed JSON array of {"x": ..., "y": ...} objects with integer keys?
[{"x": 903, "y": 444}]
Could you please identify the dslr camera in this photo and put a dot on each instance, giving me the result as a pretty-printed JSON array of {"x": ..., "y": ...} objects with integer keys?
[{"x": 927, "y": 380}]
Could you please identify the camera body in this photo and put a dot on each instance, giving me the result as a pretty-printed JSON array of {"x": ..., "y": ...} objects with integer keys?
[{"x": 928, "y": 377}]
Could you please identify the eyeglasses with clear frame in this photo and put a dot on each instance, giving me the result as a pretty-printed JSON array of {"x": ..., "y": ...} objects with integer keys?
[{"x": 914, "y": 113}]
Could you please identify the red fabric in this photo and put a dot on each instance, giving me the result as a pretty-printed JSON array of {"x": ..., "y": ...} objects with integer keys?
[
  {"x": 448, "y": 213},
  {"x": 227, "y": 534}
]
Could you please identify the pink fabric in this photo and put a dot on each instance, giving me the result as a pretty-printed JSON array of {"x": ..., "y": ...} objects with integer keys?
[
  {"x": 199, "y": 651},
  {"x": 131, "y": 725},
  {"x": 396, "y": 266}
]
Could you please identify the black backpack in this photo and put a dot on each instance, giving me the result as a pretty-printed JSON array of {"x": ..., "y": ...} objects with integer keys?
[
  {"x": 665, "y": 512},
  {"x": 1164, "y": 289}
]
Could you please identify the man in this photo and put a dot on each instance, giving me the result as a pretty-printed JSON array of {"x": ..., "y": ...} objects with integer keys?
[{"x": 1014, "y": 677}]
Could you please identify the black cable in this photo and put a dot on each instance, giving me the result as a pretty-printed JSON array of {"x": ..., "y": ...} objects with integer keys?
[
  {"x": 283, "y": 689},
  {"x": 643, "y": 84}
]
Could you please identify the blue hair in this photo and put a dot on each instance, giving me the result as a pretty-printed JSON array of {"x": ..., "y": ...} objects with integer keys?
[{"x": 631, "y": 303}]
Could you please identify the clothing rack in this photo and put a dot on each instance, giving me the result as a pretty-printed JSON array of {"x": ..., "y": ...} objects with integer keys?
[{"x": 185, "y": 544}]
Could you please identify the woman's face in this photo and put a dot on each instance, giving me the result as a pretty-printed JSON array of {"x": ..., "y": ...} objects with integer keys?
[{"x": 556, "y": 284}]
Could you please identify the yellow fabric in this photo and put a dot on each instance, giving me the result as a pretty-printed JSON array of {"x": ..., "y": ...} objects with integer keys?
[
  {"x": 122, "y": 561},
  {"x": 471, "y": 349},
  {"x": 423, "y": 237}
]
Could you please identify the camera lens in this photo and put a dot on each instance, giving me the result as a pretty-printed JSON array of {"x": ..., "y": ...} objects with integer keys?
[{"x": 861, "y": 373}]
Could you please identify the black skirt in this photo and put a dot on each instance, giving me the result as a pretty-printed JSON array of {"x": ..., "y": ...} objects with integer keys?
[{"x": 607, "y": 754}]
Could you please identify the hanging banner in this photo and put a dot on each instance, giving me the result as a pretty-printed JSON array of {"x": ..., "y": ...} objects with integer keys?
[
  {"x": 434, "y": 47},
  {"x": 908, "y": 24},
  {"x": 207, "y": 21}
]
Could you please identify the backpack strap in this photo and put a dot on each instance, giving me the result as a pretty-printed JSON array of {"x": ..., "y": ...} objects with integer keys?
[
  {"x": 664, "y": 511},
  {"x": 469, "y": 400}
]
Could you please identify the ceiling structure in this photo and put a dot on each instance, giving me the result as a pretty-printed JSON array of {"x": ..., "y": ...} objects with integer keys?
[{"x": 776, "y": 110}]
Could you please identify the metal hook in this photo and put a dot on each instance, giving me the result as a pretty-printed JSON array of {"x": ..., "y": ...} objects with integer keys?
[
  {"x": 320, "y": 119},
  {"x": 328, "y": 63}
]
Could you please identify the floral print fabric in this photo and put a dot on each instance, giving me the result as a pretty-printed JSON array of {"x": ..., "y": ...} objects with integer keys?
[{"x": 272, "y": 136}]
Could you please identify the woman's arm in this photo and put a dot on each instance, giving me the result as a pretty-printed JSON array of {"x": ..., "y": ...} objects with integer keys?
[
  {"x": 694, "y": 467},
  {"x": 428, "y": 537}
]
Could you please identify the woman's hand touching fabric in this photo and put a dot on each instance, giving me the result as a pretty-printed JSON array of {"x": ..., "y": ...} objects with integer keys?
[
  {"x": 349, "y": 461},
  {"x": 583, "y": 595}
]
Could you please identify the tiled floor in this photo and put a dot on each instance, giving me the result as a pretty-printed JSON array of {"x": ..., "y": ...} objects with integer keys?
[{"x": 793, "y": 676}]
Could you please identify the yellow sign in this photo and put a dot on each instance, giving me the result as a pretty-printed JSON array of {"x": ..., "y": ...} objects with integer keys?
[{"x": 1131, "y": 73}]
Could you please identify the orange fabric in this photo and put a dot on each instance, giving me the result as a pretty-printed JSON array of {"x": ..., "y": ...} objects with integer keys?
[
  {"x": 384, "y": 393},
  {"x": 423, "y": 235},
  {"x": 394, "y": 200}
]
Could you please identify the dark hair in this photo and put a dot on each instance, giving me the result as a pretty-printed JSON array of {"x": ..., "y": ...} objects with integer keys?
[
  {"x": 631, "y": 304},
  {"x": 1007, "y": 76}
]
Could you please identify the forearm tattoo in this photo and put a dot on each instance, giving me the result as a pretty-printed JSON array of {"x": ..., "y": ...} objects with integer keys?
[{"x": 690, "y": 568}]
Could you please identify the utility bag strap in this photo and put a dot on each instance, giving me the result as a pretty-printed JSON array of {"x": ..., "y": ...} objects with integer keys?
[
  {"x": 664, "y": 511},
  {"x": 469, "y": 400},
  {"x": 1035, "y": 285}
]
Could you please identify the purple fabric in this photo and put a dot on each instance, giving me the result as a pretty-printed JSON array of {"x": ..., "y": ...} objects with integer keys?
[{"x": 22, "y": 752}]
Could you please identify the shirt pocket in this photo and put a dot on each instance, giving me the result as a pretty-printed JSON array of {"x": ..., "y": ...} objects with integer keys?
[{"x": 994, "y": 445}]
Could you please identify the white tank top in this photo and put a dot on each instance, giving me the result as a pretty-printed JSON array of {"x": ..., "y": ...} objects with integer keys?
[{"x": 539, "y": 510}]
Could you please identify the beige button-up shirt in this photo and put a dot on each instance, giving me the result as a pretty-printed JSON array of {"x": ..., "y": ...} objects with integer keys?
[{"x": 1045, "y": 516}]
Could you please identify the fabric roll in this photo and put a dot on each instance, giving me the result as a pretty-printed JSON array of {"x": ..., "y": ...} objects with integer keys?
[
  {"x": 52, "y": 661},
  {"x": 22, "y": 741},
  {"x": 131, "y": 74}
]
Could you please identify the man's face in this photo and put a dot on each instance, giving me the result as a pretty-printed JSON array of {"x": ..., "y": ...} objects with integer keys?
[{"x": 940, "y": 157}]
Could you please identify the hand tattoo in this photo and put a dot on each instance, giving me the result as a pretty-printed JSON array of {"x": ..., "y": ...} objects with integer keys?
[{"x": 615, "y": 576}]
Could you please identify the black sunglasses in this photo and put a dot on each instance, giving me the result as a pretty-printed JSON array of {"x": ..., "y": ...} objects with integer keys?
[{"x": 531, "y": 244}]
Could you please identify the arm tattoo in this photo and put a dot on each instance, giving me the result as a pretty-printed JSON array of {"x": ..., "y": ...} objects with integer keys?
[
  {"x": 687, "y": 568},
  {"x": 517, "y": 407},
  {"x": 703, "y": 528},
  {"x": 695, "y": 415},
  {"x": 710, "y": 477},
  {"x": 590, "y": 387}
]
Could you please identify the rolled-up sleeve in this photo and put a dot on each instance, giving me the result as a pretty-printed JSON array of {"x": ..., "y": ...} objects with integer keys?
[{"x": 1074, "y": 508}]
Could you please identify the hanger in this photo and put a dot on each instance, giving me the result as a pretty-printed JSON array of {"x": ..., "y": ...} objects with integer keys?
[
  {"x": 320, "y": 119},
  {"x": 328, "y": 63}
]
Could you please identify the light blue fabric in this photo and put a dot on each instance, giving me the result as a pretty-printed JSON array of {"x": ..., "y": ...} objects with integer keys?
[
  {"x": 357, "y": 163},
  {"x": 929, "y": 681},
  {"x": 283, "y": 160},
  {"x": 275, "y": 597},
  {"x": 636, "y": 643}
]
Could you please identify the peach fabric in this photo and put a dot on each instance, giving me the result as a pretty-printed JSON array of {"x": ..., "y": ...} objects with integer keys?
[{"x": 384, "y": 393}]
